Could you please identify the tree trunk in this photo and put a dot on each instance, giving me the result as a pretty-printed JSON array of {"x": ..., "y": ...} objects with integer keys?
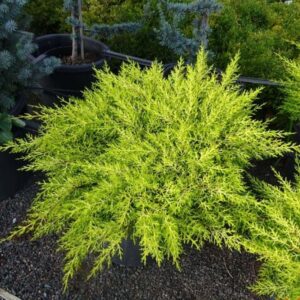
[
  {"x": 75, "y": 33},
  {"x": 81, "y": 29},
  {"x": 204, "y": 30}
]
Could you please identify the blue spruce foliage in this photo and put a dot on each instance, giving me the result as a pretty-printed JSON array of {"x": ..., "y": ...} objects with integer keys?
[
  {"x": 16, "y": 47},
  {"x": 170, "y": 33},
  {"x": 16, "y": 68},
  {"x": 105, "y": 31}
]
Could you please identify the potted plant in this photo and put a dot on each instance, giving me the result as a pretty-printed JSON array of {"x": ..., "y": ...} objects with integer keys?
[
  {"x": 79, "y": 54},
  {"x": 160, "y": 162},
  {"x": 16, "y": 73}
]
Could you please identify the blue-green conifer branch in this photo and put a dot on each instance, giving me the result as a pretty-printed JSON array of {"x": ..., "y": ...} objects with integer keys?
[
  {"x": 16, "y": 69},
  {"x": 108, "y": 31},
  {"x": 170, "y": 34}
]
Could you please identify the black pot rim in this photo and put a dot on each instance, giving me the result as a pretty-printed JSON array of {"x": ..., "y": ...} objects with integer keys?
[{"x": 71, "y": 68}]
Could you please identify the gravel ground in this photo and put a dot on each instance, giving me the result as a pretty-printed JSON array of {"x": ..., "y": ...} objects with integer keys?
[{"x": 32, "y": 270}]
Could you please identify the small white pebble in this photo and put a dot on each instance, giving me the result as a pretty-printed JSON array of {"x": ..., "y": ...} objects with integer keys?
[{"x": 14, "y": 220}]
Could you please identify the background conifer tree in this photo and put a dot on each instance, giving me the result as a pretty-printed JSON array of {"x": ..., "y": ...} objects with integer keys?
[
  {"x": 170, "y": 33},
  {"x": 16, "y": 70},
  {"x": 16, "y": 47}
]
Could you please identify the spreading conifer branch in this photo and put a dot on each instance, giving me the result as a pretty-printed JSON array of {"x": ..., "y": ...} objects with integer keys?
[
  {"x": 275, "y": 236},
  {"x": 291, "y": 104}
]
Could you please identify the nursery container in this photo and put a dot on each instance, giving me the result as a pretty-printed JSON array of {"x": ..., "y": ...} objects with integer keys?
[
  {"x": 168, "y": 68},
  {"x": 11, "y": 179},
  {"x": 68, "y": 79},
  {"x": 131, "y": 255}
]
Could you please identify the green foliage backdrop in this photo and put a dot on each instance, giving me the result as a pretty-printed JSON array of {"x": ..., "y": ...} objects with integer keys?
[
  {"x": 47, "y": 16},
  {"x": 291, "y": 87},
  {"x": 259, "y": 29}
]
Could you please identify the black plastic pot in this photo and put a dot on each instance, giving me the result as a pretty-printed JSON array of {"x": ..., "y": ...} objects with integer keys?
[
  {"x": 168, "y": 68},
  {"x": 132, "y": 255},
  {"x": 11, "y": 179},
  {"x": 68, "y": 80}
]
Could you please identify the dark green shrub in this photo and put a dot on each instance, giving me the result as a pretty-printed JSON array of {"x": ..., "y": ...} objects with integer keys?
[
  {"x": 143, "y": 43},
  {"x": 113, "y": 11},
  {"x": 47, "y": 16},
  {"x": 291, "y": 104},
  {"x": 50, "y": 16},
  {"x": 259, "y": 30},
  {"x": 161, "y": 161}
]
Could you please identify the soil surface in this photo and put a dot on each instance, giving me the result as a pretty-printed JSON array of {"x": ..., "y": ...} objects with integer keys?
[
  {"x": 33, "y": 269},
  {"x": 88, "y": 59}
]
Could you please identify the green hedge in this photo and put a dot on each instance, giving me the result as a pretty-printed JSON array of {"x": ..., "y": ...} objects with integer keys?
[{"x": 47, "y": 16}]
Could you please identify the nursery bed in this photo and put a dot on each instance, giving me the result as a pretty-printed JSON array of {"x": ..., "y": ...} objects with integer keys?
[{"x": 32, "y": 270}]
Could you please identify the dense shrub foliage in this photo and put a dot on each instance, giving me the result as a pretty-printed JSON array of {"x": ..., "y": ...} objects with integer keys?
[
  {"x": 144, "y": 42},
  {"x": 47, "y": 16},
  {"x": 161, "y": 161},
  {"x": 259, "y": 29},
  {"x": 291, "y": 104},
  {"x": 275, "y": 236},
  {"x": 114, "y": 11},
  {"x": 50, "y": 17},
  {"x": 101, "y": 30}
]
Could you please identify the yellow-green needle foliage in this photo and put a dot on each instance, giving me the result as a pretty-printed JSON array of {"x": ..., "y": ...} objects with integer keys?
[
  {"x": 276, "y": 238},
  {"x": 291, "y": 105},
  {"x": 160, "y": 161}
]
